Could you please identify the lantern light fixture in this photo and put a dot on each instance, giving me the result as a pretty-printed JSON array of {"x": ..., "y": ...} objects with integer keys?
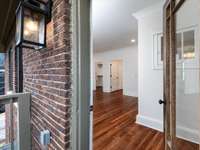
[{"x": 32, "y": 17}]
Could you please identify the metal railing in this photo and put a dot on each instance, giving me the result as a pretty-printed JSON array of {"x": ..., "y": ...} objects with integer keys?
[{"x": 15, "y": 122}]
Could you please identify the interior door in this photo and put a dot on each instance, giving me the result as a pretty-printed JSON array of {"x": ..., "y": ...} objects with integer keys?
[
  {"x": 114, "y": 76},
  {"x": 181, "y": 74},
  {"x": 187, "y": 74}
]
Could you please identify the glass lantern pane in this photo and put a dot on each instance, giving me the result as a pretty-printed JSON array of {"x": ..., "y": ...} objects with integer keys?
[
  {"x": 34, "y": 27},
  {"x": 18, "y": 26}
]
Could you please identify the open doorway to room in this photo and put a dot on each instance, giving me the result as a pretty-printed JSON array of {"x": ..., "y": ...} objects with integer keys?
[
  {"x": 127, "y": 68},
  {"x": 108, "y": 75},
  {"x": 116, "y": 75},
  {"x": 99, "y": 75}
]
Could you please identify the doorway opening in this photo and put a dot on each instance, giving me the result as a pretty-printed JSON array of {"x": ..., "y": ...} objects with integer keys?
[
  {"x": 99, "y": 75},
  {"x": 116, "y": 75}
]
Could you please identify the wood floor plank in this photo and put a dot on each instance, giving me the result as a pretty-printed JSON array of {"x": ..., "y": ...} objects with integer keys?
[{"x": 115, "y": 128}]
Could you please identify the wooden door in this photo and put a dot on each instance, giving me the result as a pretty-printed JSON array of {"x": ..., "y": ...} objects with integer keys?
[{"x": 170, "y": 9}]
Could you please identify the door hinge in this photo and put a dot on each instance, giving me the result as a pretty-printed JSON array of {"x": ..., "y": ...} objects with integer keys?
[{"x": 91, "y": 108}]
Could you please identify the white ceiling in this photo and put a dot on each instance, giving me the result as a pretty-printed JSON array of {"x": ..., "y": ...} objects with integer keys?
[{"x": 113, "y": 24}]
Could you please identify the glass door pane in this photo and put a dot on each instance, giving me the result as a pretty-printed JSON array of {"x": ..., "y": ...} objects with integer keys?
[{"x": 187, "y": 76}]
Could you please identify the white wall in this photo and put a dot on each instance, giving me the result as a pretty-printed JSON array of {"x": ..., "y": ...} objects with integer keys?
[
  {"x": 129, "y": 56},
  {"x": 151, "y": 81}
]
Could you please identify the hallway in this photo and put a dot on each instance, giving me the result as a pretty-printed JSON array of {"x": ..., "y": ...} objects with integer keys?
[{"x": 115, "y": 127}]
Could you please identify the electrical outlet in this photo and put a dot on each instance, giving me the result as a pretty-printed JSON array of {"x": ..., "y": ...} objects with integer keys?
[{"x": 45, "y": 137}]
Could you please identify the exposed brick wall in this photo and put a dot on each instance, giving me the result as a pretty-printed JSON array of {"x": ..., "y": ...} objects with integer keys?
[
  {"x": 47, "y": 75},
  {"x": 6, "y": 73},
  {"x": 7, "y": 88},
  {"x": 13, "y": 68}
]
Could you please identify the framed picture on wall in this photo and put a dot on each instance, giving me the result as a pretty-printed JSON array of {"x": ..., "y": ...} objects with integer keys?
[{"x": 186, "y": 46}]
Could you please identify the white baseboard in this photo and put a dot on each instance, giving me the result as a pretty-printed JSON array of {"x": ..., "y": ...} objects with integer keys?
[
  {"x": 150, "y": 123},
  {"x": 106, "y": 91},
  {"x": 182, "y": 132},
  {"x": 188, "y": 134},
  {"x": 128, "y": 93}
]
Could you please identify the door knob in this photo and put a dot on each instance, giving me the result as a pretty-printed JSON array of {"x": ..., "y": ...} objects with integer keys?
[{"x": 161, "y": 102}]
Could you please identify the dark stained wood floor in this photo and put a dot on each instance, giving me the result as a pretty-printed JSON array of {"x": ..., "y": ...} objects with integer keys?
[{"x": 115, "y": 127}]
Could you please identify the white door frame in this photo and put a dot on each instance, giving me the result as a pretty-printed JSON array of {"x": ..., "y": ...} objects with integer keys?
[{"x": 81, "y": 74}]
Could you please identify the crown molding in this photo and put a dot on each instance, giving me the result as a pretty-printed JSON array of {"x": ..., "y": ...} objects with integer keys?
[{"x": 158, "y": 7}]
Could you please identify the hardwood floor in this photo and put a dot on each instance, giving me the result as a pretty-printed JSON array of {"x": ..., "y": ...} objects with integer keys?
[{"x": 115, "y": 127}]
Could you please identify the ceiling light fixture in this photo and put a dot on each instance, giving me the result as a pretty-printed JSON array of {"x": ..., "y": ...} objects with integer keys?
[{"x": 133, "y": 41}]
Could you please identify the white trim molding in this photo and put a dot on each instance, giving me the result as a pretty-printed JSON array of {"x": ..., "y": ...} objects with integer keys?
[
  {"x": 81, "y": 95},
  {"x": 130, "y": 93},
  {"x": 150, "y": 123},
  {"x": 185, "y": 133},
  {"x": 158, "y": 7}
]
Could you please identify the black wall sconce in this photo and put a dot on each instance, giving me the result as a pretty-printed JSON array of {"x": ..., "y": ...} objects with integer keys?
[{"x": 32, "y": 16}]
